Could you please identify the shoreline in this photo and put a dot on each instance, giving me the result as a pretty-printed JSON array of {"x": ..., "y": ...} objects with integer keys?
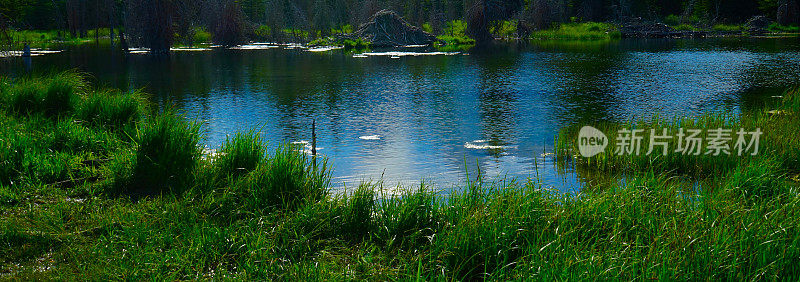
[{"x": 129, "y": 190}]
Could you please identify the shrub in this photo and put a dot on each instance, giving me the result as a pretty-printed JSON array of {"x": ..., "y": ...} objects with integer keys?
[
  {"x": 505, "y": 29},
  {"x": 345, "y": 29},
  {"x": 427, "y": 27},
  {"x": 357, "y": 44},
  {"x": 323, "y": 41},
  {"x": 455, "y": 28},
  {"x": 262, "y": 33},
  {"x": 201, "y": 35}
]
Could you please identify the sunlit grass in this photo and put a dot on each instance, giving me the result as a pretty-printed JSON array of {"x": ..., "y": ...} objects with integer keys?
[
  {"x": 728, "y": 28},
  {"x": 579, "y": 31}
]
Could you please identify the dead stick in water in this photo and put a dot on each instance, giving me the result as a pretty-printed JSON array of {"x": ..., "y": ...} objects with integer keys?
[{"x": 313, "y": 137}]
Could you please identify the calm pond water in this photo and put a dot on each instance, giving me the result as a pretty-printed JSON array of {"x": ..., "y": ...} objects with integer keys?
[{"x": 434, "y": 118}]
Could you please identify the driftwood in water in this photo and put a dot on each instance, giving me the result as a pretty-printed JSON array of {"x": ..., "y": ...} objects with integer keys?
[{"x": 387, "y": 29}]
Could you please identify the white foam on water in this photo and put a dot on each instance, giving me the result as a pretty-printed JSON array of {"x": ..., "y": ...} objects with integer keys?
[
  {"x": 34, "y": 52},
  {"x": 324, "y": 48},
  {"x": 188, "y": 49},
  {"x": 370, "y": 137},
  {"x": 293, "y": 46},
  {"x": 254, "y": 47},
  {"x": 397, "y": 54},
  {"x": 470, "y": 145},
  {"x": 359, "y": 56},
  {"x": 39, "y": 51}
]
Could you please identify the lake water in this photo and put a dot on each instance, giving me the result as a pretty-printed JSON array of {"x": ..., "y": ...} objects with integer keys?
[{"x": 433, "y": 118}]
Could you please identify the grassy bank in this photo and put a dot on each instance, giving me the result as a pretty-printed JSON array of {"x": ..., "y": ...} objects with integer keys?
[
  {"x": 96, "y": 185},
  {"x": 778, "y": 144},
  {"x": 579, "y": 31},
  {"x": 49, "y": 38}
]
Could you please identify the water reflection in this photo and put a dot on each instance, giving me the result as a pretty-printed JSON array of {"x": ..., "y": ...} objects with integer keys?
[{"x": 437, "y": 117}]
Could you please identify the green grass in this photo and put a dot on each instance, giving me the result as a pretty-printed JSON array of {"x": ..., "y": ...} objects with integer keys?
[
  {"x": 201, "y": 36},
  {"x": 777, "y": 28},
  {"x": 776, "y": 142},
  {"x": 48, "y": 38},
  {"x": 685, "y": 27},
  {"x": 247, "y": 213},
  {"x": 164, "y": 155},
  {"x": 505, "y": 29},
  {"x": 728, "y": 28},
  {"x": 579, "y": 31},
  {"x": 672, "y": 20},
  {"x": 455, "y": 28},
  {"x": 348, "y": 44},
  {"x": 51, "y": 96},
  {"x": 110, "y": 109},
  {"x": 454, "y": 38}
]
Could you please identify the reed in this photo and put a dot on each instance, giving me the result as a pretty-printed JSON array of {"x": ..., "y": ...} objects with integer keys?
[
  {"x": 111, "y": 109},
  {"x": 52, "y": 95},
  {"x": 777, "y": 142},
  {"x": 164, "y": 157},
  {"x": 240, "y": 155}
]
